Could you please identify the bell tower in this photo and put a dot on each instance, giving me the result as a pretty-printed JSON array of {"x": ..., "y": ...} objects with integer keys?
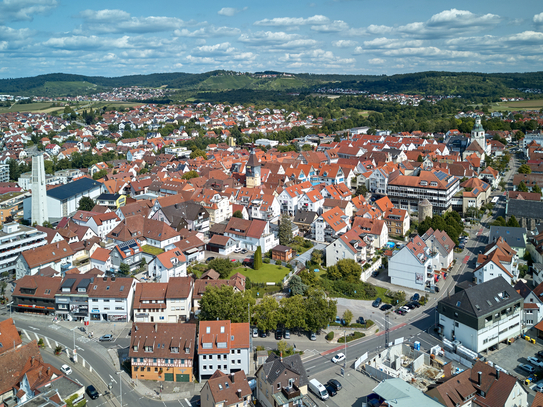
[
  {"x": 252, "y": 171},
  {"x": 478, "y": 135}
]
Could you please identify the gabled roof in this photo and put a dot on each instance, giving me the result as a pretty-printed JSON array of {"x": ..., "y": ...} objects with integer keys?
[
  {"x": 228, "y": 389},
  {"x": 484, "y": 298},
  {"x": 53, "y": 252}
]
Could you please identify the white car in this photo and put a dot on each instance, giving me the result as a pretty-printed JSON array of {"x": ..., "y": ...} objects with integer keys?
[
  {"x": 237, "y": 250},
  {"x": 535, "y": 361},
  {"x": 538, "y": 387},
  {"x": 340, "y": 357},
  {"x": 406, "y": 309},
  {"x": 255, "y": 333},
  {"x": 66, "y": 369}
]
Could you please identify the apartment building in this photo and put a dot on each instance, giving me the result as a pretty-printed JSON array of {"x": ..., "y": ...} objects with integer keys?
[
  {"x": 14, "y": 239},
  {"x": 111, "y": 299},
  {"x": 164, "y": 302},
  {"x": 223, "y": 390},
  {"x": 224, "y": 346},
  {"x": 438, "y": 187},
  {"x": 58, "y": 256},
  {"x": 482, "y": 315},
  {"x": 330, "y": 225}
]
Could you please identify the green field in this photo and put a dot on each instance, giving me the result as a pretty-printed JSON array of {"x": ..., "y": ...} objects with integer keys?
[
  {"x": 30, "y": 107},
  {"x": 536, "y": 104},
  {"x": 268, "y": 273}
]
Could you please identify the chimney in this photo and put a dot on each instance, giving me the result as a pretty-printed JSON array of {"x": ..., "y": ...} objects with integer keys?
[
  {"x": 156, "y": 328},
  {"x": 48, "y": 370},
  {"x": 32, "y": 361},
  {"x": 479, "y": 374},
  {"x": 497, "y": 374},
  {"x": 232, "y": 378},
  {"x": 238, "y": 393}
]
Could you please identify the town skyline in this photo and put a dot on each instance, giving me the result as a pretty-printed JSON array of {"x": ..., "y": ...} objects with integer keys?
[{"x": 342, "y": 37}]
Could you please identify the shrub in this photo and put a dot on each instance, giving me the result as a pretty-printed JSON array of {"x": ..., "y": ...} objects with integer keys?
[
  {"x": 357, "y": 325},
  {"x": 58, "y": 350},
  {"x": 369, "y": 323},
  {"x": 329, "y": 336},
  {"x": 259, "y": 348},
  {"x": 266, "y": 260},
  {"x": 355, "y": 335}
]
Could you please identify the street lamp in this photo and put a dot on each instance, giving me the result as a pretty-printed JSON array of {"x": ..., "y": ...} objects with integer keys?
[
  {"x": 120, "y": 384},
  {"x": 9, "y": 306},
  {"x": 75, "y": 351}
]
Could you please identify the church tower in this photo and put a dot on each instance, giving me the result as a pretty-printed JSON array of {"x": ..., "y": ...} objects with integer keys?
[
  {"x": 478, "y": 135},
  {"x": 39, "y": 212},
  {"x": 252, "y": 171}
]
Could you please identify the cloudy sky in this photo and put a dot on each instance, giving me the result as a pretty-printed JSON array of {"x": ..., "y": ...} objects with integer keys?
[{"x": 118, "y": 37}]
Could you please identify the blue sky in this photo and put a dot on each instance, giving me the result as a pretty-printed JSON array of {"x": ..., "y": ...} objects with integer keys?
[{"x": 117, "y": 37}]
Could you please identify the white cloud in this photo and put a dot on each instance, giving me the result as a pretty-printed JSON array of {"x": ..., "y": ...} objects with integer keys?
[
  {"x": 229, "y": 11},
  {"x": 376, "y": 61},
  {"x": 446, "y": 24},
  {"x": 209, "y": 31},
  {"x": 25, "y": 10},
  {"x": 383, "y": 42},
  {"x": 119, "y": 21},
  {"x": 316, "y": 58},
  {"x": 293, "y": 21},
  {"x": 336, "y": 26},
  {"x": 538, "y": 18},
  {"x": 344, "y": 43},
  {"x": 105, "y": 15},
  {"x": 80, "y": 42},
  {"x": 268, "y": 37},
  {"x": 8, "y": 33}
]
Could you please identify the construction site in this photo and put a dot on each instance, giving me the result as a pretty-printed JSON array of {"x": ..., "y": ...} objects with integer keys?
[{"x": 408, "y": 363}]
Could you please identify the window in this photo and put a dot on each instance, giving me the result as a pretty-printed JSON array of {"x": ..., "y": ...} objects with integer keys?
[
  {"x": 456, "y": 323},
  {"x": 278, "y": 386},
  {"x": 106, "y": 300},
  {"x": 239, "y": 361},
  {"x": 239, "y": 351}
]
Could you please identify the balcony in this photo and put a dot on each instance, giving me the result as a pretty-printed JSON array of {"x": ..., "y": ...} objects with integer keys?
[{"x": 291, "y": 392}]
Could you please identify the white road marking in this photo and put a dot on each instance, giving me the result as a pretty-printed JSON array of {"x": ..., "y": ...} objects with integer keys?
[{"x": 35, "y": 329}]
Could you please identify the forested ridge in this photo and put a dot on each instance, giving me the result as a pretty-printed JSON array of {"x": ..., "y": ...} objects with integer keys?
[{"x": 464, "y": 84}]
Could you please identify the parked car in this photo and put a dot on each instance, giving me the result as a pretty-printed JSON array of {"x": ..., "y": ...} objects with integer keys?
[
  {"x": 377, "y": 302},
  {"x": 360, "y": 320},
  {"x": 209, "y": 259},
  {"x": 105, "y": 338},
  {"x": 410, "y": 306},
  {"x": 255, "y": 333},
  {"x": 337, "y": 320},
  {"x": 287, "y": 334},
  {"x": 263, "y": 334},
  {"x": 415, "y": 297},
  {"x": 331, "y": 391},
  {"x": 313, "y": 336},
  {"x": 243, "y": 251},
  {"x": 335, "y": 384},
  {"x": 535, "y": 361},
  {"x": 340, "y": 357},
  {"x": 278, "y": 334},
  {"x": 385, "y": 307},
  {"x": 405, "y": 308},
  {"x": 540, "y": 354},
  {"x": 538, "y": 387},
  {"x": 400, "y": 311},
  {"x": 237, "y": 250},
  {"x": 414, "y": 304},
  {"x": 91, "y": 391},
  {"x": 526, "y": 367},
  {"x": 66, "y": 369}
]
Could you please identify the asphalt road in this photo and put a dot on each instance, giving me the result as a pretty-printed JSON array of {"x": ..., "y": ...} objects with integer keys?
[{"x": 95, "y": 353}]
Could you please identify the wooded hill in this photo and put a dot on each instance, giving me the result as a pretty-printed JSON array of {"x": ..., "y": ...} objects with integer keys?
[{"x": 466, "y": 84}]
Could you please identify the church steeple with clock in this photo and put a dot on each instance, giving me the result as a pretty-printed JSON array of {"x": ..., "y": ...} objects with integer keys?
[{"x": 252, "y": 171}]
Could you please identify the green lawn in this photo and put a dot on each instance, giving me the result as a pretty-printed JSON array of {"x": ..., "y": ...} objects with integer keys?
[
  {"x": 151, "y": 250},
  {"x": 268, "y": 273}
]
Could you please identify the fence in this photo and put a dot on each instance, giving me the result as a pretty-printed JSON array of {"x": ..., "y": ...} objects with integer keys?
[
  {"x": 374, "y": 267},
  {"x": 458, "y": 358}
]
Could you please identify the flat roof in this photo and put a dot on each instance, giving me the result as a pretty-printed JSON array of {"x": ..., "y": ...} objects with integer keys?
[{"x": 73, "y": 188}]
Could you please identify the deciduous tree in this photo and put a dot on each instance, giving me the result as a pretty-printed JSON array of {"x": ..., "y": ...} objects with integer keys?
[
  {"x": 294, "y": 312},
  {"x": 267, "y": 314},
  {"x": 223, "y": 303},
  {"x": 86, "y": 204}
]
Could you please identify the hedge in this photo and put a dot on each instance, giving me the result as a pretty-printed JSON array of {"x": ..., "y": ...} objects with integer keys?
[
  {"x": 329, "y": 336},
  {"x": 355, "y": 335}
]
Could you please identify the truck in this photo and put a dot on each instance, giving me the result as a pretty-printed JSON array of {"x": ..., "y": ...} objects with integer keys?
[{"x": 318, "y": 389}]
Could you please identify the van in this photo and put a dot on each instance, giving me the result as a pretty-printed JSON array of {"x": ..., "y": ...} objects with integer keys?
[{"x": 318, "y": 389}]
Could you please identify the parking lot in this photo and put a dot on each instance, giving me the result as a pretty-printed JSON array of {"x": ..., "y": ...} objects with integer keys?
[
  {"x": 509, "y": 357},
  {"x": 355, "y": 385}
]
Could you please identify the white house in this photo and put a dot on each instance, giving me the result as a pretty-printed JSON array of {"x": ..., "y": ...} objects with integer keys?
[
  {"x": 172, "y": 263},
  {"x": 497, "y": 259},
  {"x": 330, "y": 225},
  {"x": 311, "y": 201},
  {"x": 101, "y": 259},
  {"x": 58, "y": 256},
  {"x": 349, "y": 246},
  {"x": 481, "y": 315},
  {"x": 111, "y": 299},
  {"x": 164, "y": 302},
  {"x": 251, "y": 233}
]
